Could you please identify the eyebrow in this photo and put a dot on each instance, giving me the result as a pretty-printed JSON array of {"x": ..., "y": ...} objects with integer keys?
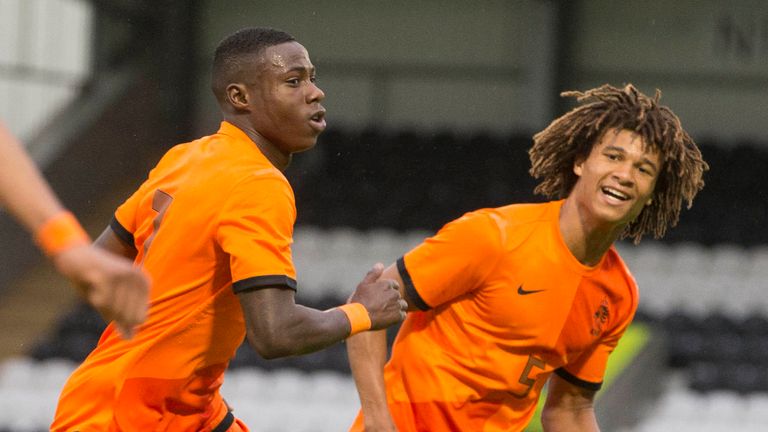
[
  {"x": 622, "y": 150},
  {"x": 302, "y": 69}
]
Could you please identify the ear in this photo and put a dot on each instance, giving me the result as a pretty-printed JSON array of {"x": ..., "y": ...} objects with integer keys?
[
  {"x": 578, "y": 166},
  {"x": 237, "y": 95}
]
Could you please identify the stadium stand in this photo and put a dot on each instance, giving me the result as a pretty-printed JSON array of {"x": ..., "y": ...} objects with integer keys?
[
  {"x": 367, "y": 195},
  {"x": 358, "y": 204}
]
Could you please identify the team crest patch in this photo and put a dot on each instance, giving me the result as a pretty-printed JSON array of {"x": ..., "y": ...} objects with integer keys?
[{"x": 599, "y": 318}]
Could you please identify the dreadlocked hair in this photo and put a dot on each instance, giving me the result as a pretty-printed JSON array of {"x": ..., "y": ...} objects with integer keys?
[{"x": 572, "y": 136}]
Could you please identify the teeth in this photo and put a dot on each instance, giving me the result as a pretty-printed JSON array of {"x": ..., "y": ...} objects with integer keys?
[{"x": 616, "y": 194}]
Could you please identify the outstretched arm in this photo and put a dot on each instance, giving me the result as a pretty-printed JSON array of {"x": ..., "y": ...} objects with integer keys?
[
  {"x": 23, "y": 191},
  {"x": 568, "y": 408},
  {"x": 111, "y": 284},
  {"x": 367, "y": 354},
  {"x": 278, "y": 327}
]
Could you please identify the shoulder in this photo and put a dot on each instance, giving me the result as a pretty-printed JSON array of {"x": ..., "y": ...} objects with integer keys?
[
  {"x": 478, "y": 224},
  {"x": 516, "y": 223},
  {"x": 622, "y": 282},
  {"x": 258, "y": 188},
  {"x": 615, "y": 264},
  {"x": 240, "y": 165},
  {"x": 174, "y": 156},
  {"x": 261, "y": 179},
  {"x": 521, "y": 214}
]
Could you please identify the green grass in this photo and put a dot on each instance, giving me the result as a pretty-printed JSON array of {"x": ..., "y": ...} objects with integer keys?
[{"x": 630, "y": 345}]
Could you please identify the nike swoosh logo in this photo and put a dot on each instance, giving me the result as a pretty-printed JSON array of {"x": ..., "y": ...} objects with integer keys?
[{"x": 521, "y": 291}]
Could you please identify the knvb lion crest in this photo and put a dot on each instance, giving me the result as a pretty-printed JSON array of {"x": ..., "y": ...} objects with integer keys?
[{"x": 599, "y": 318}]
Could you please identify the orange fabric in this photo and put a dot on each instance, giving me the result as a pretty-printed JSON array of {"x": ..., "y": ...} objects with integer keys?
[
  {"x": 358, "y": 317},
  {"x": 508, "y": 305},
  {"x": 60, "y": 233},
  {"x": 212, "y": 212}
]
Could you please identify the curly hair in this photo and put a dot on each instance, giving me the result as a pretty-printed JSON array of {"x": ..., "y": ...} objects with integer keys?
[{"x": 572, "y": 136}]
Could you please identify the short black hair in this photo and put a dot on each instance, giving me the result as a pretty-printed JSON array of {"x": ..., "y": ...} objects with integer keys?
[{"x": 231, "y": 53}]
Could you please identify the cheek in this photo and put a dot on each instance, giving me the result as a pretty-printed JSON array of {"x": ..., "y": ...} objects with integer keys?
[
  {"x": 286, "y": 111},
  {"x": 649, "y": 186}
]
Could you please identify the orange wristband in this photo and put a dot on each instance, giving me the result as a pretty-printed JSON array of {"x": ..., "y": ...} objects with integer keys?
[
  {"x": 60, "y": 233},
  {"x": 358, "y": 317}
]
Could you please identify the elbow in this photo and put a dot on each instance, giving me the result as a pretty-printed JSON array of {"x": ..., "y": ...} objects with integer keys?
[
  {"x": 269, "y": 346},
  {"x": 552, "y": 418},
  {"x": 547, "y": 418}
]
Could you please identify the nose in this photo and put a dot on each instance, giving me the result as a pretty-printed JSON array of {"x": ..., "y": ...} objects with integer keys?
[
  {"x": 623, "y": 173},
  {"x": 315, "y": 93}
]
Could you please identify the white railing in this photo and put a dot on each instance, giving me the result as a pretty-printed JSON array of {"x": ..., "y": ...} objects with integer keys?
[{"x": 45, "y": 56}]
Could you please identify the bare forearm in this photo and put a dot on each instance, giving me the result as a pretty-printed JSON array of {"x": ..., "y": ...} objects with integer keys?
[
  {"x": 313, "y": 330},
  {"x": 22, "y": 188},
  {"x": 299, "y": 331},
  {"x": 278, "y": 327},
  {"x": 565, "y": 420},
  {"x": 367, "y": 355}
]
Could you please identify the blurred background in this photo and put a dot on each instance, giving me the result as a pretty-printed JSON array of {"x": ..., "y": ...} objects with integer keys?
[{"x": 431, "y": 109}]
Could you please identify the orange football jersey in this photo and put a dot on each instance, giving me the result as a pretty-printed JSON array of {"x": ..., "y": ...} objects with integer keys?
[
  {"x": 504, "y": 304},
  {"x": 214, "y": 218}
]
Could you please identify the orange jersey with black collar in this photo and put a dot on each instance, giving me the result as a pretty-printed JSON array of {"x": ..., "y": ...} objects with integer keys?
[
  {"x": 213, "y": 218},
  {"x": 504, "y": 304}
]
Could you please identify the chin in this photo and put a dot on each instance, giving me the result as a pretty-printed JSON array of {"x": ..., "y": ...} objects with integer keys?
[
  {"x": 613, "y": 215},
  {"x": 305, "y": 146}
]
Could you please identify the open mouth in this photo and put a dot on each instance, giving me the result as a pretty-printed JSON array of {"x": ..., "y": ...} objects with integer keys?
[
  {"x": 318, "y": 119},
  {"x": 616, "y": 194}
]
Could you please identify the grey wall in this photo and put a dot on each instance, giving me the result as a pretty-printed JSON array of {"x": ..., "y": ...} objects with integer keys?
[
  {"x": 460, "y": 65},
  {"x": 709, "y": 58},
  {"x": 497, "y": 65}
]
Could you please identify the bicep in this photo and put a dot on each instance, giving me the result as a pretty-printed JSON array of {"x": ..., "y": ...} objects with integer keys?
[
  {"x": 568, "y": 408},
  {"x": 561, "y": 394},
  {"x": 393, "y": 273},
  {"x": 277, "y": 326},
  {"x": 265, "y": 307},
  {"x": 109, "y": 241}
]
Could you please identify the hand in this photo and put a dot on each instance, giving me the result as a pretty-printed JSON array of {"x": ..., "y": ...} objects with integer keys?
[
  {"x": 381, "y": 297},
  {"x": 111, "y": 284}
]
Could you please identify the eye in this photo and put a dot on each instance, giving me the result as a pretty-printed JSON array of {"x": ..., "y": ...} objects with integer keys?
[
  {"x": 313, "y": 79},
  {"x": 613, "y": 156},
  {"x": 293, "y": 81},
  {"x": 646, "y": 170}
]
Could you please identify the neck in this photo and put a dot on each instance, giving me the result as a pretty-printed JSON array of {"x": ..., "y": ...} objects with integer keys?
[
  {"x": 277, "y": 158},
  {"x": 587, "y": 239}
]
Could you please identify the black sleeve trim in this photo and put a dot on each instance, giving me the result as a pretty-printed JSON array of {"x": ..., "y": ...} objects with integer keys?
[
  {"x": 410, "y": 290},
  {"x": 261, "y": 282},
  {"x": 225, "y": 424},
  {"x": 564, "y": 374},
  {"x": 123, "y": 234}
]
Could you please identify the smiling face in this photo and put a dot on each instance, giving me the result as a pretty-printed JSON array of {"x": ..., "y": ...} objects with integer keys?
[
  {"x": 283, "y": 99},
  {"x": 617, "y": 179}
]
